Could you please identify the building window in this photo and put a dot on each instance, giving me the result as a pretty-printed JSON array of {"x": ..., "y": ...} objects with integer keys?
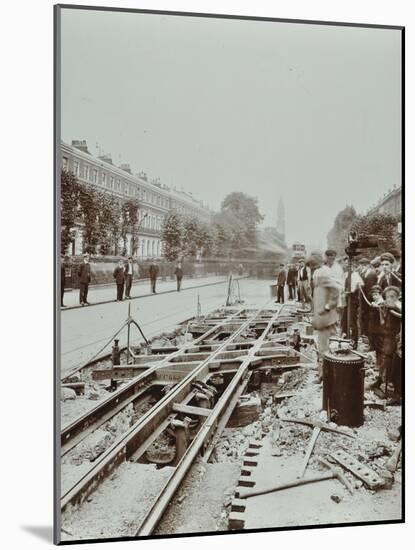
[
  {"x": 65, "y": 163},
  {"x": 95, "y": 176},
  {"x": 76, "y": 167},
  {"x": 112, "y": 182},
  {"x": 118, "y": 185},
  {"x": 86, "y": 172},
  {"x": 104, "y": 178}
]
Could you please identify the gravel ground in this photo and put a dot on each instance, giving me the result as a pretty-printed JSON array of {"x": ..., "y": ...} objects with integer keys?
[
  {"x": 207, "y": 489},
  {"x": 118, "y": 506}
]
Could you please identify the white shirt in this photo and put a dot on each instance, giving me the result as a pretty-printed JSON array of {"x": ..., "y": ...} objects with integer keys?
[
  {"x": 337, "y": 273},
  {"x": 356, "y": 280}
]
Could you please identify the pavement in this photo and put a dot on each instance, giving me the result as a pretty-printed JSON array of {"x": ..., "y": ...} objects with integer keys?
[
  {"x": 101, "y": 294},
  {"x": 86, "y": 330}
]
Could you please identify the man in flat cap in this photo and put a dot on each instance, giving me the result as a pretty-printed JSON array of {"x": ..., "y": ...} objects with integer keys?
[
  {"x": 387, "y": 279},
  {"x": 374, "y": 330}
]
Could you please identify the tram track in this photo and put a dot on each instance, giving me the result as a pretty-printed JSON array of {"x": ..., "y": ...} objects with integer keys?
[{"x": 219, "y": 351}]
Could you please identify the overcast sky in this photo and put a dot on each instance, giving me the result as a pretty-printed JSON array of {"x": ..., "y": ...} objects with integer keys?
[{"x": 308, "y": 112}]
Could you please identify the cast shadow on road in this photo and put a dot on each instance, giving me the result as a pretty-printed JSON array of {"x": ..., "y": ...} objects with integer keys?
[{"x": 43, "y": 532}]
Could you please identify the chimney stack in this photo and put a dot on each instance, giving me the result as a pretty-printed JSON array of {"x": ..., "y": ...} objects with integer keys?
[
  {"x": 106, "y": 158},
  {"x": 126, "y": 168},
  {"x": 80, "y": 144}
]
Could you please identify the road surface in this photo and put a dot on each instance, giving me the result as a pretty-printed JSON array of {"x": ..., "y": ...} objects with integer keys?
[{"x": 84, "y": 331}]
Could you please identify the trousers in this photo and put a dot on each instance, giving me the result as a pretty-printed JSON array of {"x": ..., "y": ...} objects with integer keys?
[
  {"x": 83, "y": 292},
  {"x": 280, "y": 294},
  {"x": 179, "y": 283},
  {"x": 128, "y": 284},
  {"x": 120, "y": 290},
  {"x": 153, "y": 285}
]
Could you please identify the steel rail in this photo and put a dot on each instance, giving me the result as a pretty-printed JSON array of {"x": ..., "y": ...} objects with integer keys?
[
  {"x": 78, "y": 429},
  {"x": 202, "y": 442},
  {"x": 127, "y": 443}
]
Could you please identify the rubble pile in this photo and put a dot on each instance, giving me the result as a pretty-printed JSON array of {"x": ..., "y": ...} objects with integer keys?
[
  {"x": 372, "y": 444},
  {"x": 74, "y": 405},
  {"x": 101, "y": 439}
]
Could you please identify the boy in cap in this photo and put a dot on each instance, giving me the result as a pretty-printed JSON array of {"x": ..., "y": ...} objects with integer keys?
[
  {"x": 374, "y": 328},
  {"x": 390, "y": 322},
  {"x": 370, "y": 278},
  {"x": 391, "y": 313}
]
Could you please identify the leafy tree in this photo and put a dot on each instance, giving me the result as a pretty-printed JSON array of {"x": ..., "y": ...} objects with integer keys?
[
  {"x": 69, "y": 207},
  {"x": 191, "y": 237},
  {"x": 244, "y": 208},
  {"x": 337, "y": 236},
  {"x": 89, "y": 207},
  {"x": 384, "y": 226},
  {"x": 208, "y": 240},
  {"x": 172, "y": 236}
]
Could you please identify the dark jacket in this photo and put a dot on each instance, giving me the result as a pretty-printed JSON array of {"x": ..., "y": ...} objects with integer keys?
[
  {"x": 178, "y": 272},
  {"x": 292, "y": 276},
  {"x": 391, "y": 327},
  {"x": 370, "y": 279},
  {"x": 388, "y": 280},
  {"x": 281, "y": 277},
  {"x": 119, "y": 275},
  {"x": 63, "y": 273},
  {"x": 373, "y": 320},
  {"x": 84, "y": 273},
  {"x": 153, "y": 270}
]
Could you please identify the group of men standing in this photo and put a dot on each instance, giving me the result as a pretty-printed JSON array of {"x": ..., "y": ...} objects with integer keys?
[
  {"x": 298, "y": 279},
  {"x": 353, "y": 300},
  {"x": 123, "y": 274},
  {"x": 362, "y": 299}
]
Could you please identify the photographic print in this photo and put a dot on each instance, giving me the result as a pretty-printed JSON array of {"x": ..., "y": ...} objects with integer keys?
[{"x": 229, "y": 274}]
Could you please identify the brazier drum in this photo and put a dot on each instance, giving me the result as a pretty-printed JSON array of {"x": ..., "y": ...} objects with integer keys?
[{"x": 343, "y": 387}]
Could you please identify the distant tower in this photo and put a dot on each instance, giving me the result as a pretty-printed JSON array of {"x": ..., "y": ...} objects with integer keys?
[{"x": 281, "y": 218}]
